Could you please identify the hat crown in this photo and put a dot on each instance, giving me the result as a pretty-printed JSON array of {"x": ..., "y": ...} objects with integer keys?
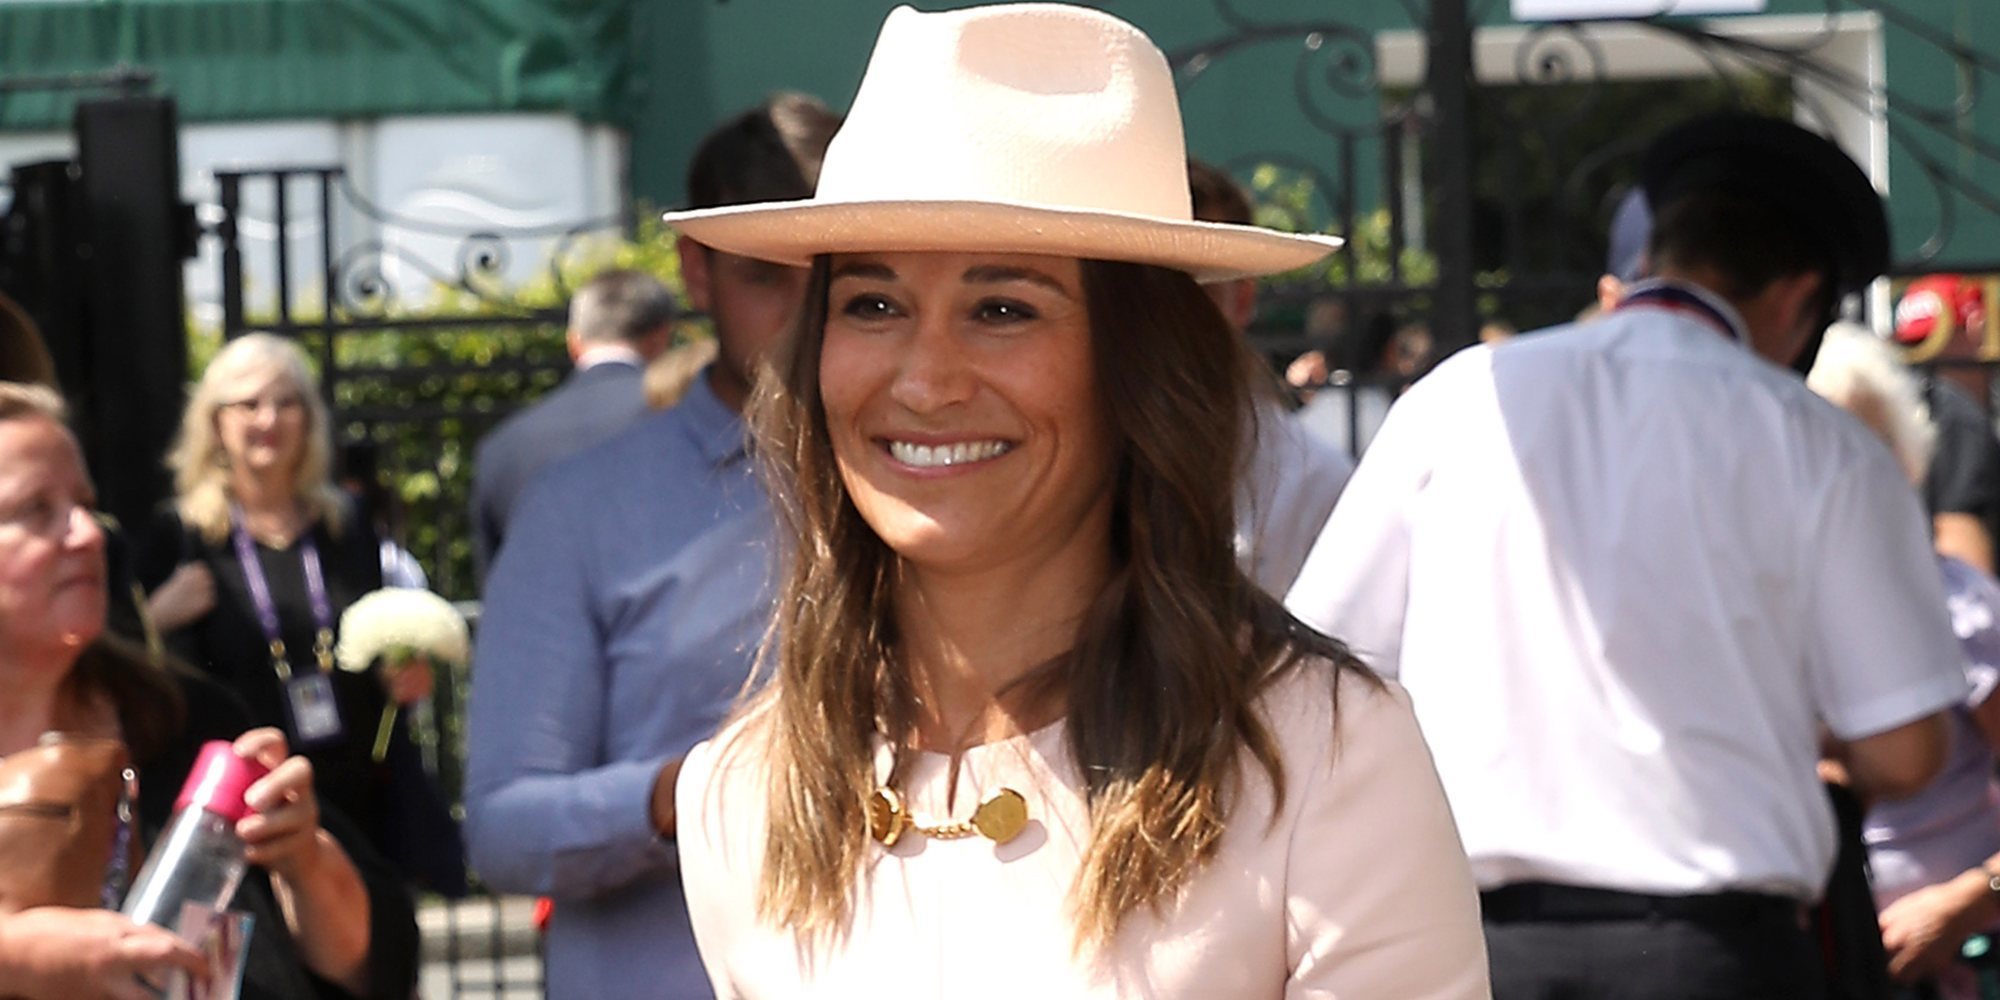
[{"x": 1029, "y": 104}]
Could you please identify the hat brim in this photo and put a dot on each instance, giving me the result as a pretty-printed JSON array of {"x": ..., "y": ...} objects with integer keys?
[{"x": 795, "y": 232}]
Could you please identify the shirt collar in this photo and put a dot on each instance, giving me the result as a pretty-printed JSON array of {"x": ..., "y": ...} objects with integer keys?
[
  {"x": 609, "y": 354},
  {"x": 1664, "y": 288},
  {"x": 716, "y": 429}
]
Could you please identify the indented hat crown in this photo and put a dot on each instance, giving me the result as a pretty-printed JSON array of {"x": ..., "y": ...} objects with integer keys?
[
  {"x": 1032, "y": 128},
  {"x": 1070, "y": 109}
]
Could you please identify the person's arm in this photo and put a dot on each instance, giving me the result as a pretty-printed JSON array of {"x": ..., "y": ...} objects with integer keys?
[
  {"x": 59, "y": 953},
  {"x": 1923, "y": 930},
  {"x": 1393, "y": 912},
  {"x": 1962, "y": 536},
  {"x": 1881, "y": 657},
  {"x": 717, "y": 856},
  {"x": 319, "y": 891},
  {"x": 179, "y": 591},
  {"x": 1355, "y": 581},
  {"x": 544, "y": 814},
  {"x": 1898, "y": 763}
]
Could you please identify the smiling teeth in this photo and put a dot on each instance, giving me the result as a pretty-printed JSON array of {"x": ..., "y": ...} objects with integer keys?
[{"x": 931, "y": 457}]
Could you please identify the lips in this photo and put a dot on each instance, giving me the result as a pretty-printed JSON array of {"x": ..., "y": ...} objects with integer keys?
[{"x": 939, "y": 456}]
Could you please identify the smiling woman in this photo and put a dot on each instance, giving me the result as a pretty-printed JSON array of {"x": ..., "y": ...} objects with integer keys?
[
  {"x": 961, "y": 403},
  {"x": 249, "y": 568},
  {"x": 1024, "y": 703}
]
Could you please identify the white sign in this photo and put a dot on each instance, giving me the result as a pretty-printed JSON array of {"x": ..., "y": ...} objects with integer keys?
[{"x": 1584, "y": 10}]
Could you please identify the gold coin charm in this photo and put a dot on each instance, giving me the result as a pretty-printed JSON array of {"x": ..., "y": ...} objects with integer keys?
[
  {"x": 1002, "y": 817},
  {"x": 886, "y": 817}
]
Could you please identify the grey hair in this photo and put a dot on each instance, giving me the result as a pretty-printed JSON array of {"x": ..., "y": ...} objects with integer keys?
[
  {"x": 1857, "y": 370},
  {"x": 620, "y": 305},
  {"x": 23, "y": 400}
]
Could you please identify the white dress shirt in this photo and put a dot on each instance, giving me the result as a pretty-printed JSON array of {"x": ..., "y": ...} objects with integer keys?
[
  {"x": 1288, "y": 490},
  {"x": 1626, "y": 570}
]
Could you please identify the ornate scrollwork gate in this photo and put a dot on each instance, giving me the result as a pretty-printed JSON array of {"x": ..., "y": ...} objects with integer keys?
[{"x": 1475, "y": 171}]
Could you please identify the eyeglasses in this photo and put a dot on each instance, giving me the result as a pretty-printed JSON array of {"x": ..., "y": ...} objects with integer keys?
[{"x": 281, "y": 405}]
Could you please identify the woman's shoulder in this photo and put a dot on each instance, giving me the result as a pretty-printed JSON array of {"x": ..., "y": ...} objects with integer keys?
[
  {"x": 1320, "y": 704},
  {"x": 723, "y": 775}
]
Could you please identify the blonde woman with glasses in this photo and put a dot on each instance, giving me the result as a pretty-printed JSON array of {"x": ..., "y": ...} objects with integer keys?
[{"x": 248, "y": 570}]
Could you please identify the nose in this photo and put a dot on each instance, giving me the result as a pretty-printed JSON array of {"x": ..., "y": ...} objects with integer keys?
[
  {"x": 934, "y": 371},
  {"x": 85, "y": 531}
]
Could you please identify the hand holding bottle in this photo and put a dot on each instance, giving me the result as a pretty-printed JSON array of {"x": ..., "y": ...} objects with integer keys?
[
  {"x": 58, "y": 952},
  {"x": 281, "y": 834}
]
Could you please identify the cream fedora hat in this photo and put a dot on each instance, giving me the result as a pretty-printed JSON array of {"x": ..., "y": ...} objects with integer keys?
[{"x": 1019, "y": 128}]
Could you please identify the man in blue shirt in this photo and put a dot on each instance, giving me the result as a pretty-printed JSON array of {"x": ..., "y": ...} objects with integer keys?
[{"x": 621, "y": 618}]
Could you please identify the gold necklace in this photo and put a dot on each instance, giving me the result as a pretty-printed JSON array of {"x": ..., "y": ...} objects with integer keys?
[{"x": 998, "y": 819}]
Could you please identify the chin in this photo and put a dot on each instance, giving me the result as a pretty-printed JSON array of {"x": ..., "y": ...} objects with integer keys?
[
  {"x": 77, "y": 625},
  {"x": 940, "y": 550}
]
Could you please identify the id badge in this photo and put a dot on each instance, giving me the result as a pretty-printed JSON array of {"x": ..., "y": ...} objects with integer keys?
[{"x": 315, "y": 715}]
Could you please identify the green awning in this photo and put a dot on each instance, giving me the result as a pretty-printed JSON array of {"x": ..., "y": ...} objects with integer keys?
[{"x": 282, "y": 59}]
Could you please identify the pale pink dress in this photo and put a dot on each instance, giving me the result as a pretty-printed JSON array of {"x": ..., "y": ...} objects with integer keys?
[{"x": 1359, "y": 888}]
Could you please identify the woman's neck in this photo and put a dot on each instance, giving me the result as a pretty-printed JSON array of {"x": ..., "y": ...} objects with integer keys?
[
  {"x": 269, "y": 503},
  {"x": 34, "y": 703},
  {"x": 978, "y": 644},
  {"x": 262, "y": 490}
]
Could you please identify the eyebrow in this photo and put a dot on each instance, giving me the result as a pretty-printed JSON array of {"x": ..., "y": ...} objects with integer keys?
[
  {"x": 995, "y": 275},
  {"x": 991, "y": 274},
  {"x": 864, "y": 269}
]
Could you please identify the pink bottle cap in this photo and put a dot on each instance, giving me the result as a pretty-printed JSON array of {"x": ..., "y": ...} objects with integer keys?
[{"x": 218, "y": 781}]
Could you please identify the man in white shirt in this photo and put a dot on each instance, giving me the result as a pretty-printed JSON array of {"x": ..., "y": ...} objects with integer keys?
[
  {"x": 1293, "y": 477},
  {"x": 1630, "y": 572}
]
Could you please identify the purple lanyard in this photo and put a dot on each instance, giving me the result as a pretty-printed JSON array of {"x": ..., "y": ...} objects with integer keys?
[
  {"x": 267, "y": 610},
  {"x": 1674, "y": 298}
]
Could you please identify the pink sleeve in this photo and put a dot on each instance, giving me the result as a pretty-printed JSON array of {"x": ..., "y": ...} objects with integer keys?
[
  {"x": 1380, "y": 900},
  {"x": 705, "y": 881}
]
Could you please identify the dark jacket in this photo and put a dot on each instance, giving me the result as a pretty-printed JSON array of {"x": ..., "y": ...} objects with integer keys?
[{"x": 587, "y": 408}]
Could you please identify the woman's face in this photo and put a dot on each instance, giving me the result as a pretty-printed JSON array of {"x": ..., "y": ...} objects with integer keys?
[
  {"x": 960, "y": 398},
  {"x": 51, "y": 546},
  {"x": 261, "y": 421}
]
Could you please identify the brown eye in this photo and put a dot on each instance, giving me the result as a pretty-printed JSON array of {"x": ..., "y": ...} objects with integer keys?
[
  {"x": 1004, "y": 311},
  {"x": 868, "y": 306}
]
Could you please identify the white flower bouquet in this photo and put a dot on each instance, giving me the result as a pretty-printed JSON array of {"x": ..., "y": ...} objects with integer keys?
[{"x": 400, "y": 625}]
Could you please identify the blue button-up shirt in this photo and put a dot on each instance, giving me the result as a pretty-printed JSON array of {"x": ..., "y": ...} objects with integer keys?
[{"x": 620, "y": 621}]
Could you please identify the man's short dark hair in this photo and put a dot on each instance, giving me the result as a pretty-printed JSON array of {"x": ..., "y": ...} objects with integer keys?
[
  {"x": 1749, "y": 241},
  {"x": 1217, "y": 196},
  {"x": 620, "y": 305},
  {"x": 769, "y": 153}
]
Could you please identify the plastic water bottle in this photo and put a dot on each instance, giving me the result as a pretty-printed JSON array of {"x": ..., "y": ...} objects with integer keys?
[{"x": 199, "y": 859}]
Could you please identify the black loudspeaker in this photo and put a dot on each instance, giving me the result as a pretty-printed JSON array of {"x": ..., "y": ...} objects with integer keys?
[
  {"x": 41, "y": 270},
  {"x": 133, "y": 236}
]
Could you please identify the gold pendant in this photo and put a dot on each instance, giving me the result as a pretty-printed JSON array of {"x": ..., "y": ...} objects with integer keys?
[
  {"x": 998, "y": 819},
  {"x": 886, "y": 817},
  {"x": 1002, "y": 817}
]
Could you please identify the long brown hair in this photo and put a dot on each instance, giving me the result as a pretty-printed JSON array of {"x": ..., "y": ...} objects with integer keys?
[{"x": 1168, "y": 664}]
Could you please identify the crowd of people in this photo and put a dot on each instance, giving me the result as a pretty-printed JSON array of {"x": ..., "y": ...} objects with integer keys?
[{"x": 975, "y": 614}]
